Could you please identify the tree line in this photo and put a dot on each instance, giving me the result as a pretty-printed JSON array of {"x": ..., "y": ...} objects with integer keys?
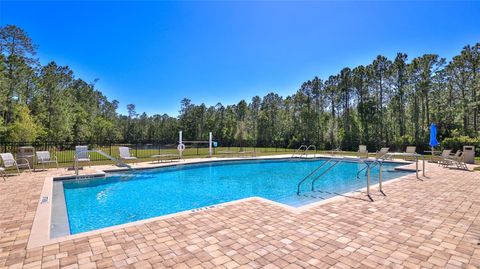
[{"x": 388, "y": 102}]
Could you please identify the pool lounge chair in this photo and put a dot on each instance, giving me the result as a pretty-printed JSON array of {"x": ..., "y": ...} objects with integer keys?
[
  {"x": 381, "y": 153},
  {"x": 43, "y": 157},
  {"x": 410, "y": 150},
  {"x": 81, "y": 154},
  {"x": 125, "y": 154},
  {"x": 443, "y": 157},
  {"x": 362, "y": 151},
  {"x": 9, "y": 161},
  {"x": 456, "y": 159}
]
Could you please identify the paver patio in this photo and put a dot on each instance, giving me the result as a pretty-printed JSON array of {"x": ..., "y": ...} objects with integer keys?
[{"x": 433, "y": 223}]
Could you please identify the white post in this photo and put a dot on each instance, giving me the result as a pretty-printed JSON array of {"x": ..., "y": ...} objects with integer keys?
[
  {"x": 210, "y": 144},
  {"x": 180, "y": 142}
]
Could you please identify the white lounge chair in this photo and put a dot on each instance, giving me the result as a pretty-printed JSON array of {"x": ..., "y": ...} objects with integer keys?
[
  {"x": 9, "y": 161},
  {"x": 43, "y": 157},
  {"x": 410, "y": 150},
  {"x": 457, "y": 160},
  {"x": 443, "y": 157},
  {"x": 125, "y": 154},
  {"x": 362, "y": 150},
  {"x": 381, "y": 153},
  {"x": 82, "y": 155}
]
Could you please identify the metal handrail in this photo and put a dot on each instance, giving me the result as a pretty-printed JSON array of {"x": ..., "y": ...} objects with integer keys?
[
  {"x": 300, "y": 148},
  {"x": 309, "y": 175},
  {"x": 375, "y": 163},
  {"x": 369, "y": 164},
  {"x": 306, "y": 151},
  {"x": 324, "y": 172}
]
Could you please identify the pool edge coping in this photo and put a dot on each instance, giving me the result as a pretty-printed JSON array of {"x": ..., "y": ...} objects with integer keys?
[{"x": 40, "y": 231}]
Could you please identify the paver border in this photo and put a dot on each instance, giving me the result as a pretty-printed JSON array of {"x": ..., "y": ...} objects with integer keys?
[{"x": 40, "y": 231}]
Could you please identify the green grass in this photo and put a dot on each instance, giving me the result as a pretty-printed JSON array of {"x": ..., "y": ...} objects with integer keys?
[{"x": 66, "y": 157}]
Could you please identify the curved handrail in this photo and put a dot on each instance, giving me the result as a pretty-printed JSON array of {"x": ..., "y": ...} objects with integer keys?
[
  {"x": 306, "y": 150},
  {"x": 302, "y": 146},
  {"x": 309, "y": 175},
  {"x": 324, "y": 172},
  {"x": 374, "y": 162}
]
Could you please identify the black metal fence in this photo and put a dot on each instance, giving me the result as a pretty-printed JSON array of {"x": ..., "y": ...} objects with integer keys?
[{"x": 65, "y": 151}]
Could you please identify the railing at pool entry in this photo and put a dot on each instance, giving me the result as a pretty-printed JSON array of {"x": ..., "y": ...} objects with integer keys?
[
  {"x": 370, "y": 163},
  {"x": 333, "y": 164},
  {"x": 311, "y": 174},
  {"x": 305, "y": 149},
  {"x": 101, "y": 152}
]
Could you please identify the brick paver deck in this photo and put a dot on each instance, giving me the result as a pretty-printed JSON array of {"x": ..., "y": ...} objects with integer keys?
[{"x": 433, "y": 223}]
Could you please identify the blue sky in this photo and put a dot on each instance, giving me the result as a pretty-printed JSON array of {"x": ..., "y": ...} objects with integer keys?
[{"x": 153, "y": 54}]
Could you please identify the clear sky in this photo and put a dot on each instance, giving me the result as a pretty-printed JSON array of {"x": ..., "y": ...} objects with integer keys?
[{"x": 153, "y": 54}]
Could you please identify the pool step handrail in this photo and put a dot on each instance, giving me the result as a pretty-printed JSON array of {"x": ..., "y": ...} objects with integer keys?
[
  {"x": 299, "y": 149},
  {"x": 304, "y": 151},
  {"x": 374, "y": 162},
  {"x": 365, "y": 168},
  {"x": 311, "y": 174},
  {"x": 369, "y": 166},
  {"x": 118, "y": 162},
  {"x": 335, "y": 162}
]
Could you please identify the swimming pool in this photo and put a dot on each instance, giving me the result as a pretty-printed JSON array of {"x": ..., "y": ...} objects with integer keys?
[{"x": 136, "y": 195}]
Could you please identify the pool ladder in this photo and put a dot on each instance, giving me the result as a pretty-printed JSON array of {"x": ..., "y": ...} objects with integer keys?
[
  {"x": 304, "y": 151},
  {"x": 333, "y": 162}
]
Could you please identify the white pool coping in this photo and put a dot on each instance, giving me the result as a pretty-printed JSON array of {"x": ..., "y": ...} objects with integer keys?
[{"x": 40, "y": 232}]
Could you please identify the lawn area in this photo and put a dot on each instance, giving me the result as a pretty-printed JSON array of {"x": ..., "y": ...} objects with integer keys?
[{"x": 66, "y": 157}]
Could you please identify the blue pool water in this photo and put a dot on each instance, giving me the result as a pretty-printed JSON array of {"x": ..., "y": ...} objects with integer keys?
[{"x": 130, "y": 196}]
